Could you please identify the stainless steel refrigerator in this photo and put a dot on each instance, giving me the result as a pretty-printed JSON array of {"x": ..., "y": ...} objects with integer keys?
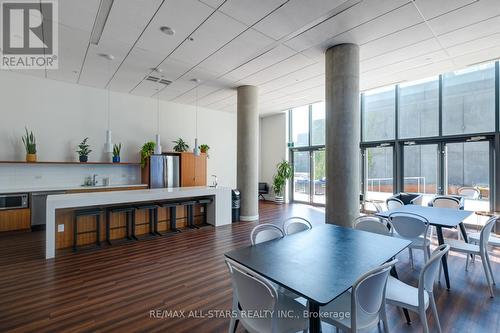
[{"x": 164, "y": 171}]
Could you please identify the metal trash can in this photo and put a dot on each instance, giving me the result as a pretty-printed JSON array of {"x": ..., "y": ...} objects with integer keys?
[{"x": 236, "y": 202}]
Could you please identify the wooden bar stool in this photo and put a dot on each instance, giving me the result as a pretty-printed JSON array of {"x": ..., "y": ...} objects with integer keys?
[
  {"x": 172, "y": 206},
  {"x": 153, "y": 218},
  {"x": 190, "y": 213},
  {"x": 205, "y": 202},
  {"x": 130, "y": 221},
  {"x": 87, "y": 212}
]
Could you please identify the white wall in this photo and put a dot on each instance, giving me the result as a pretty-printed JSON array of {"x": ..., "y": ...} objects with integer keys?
[
  {"x": 273, "y": 148},
  {"x": 62, "y": 114}
]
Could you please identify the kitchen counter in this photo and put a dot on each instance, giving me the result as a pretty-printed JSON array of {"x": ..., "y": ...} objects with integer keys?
[
  {"x": 67, "y": 188},
  {"x": 218, "y": 213}
]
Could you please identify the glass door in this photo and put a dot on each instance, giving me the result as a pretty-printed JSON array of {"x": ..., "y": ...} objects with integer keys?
[
  {"x": 467, "y": 173},
  {"x": 378, "y": 173},
  {"x": 420, "y": 170},
  {"x": 301, "y": 176},
  {"x": 319, "y": 177}
]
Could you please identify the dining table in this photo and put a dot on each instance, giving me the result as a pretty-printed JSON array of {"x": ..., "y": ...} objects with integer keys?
[
  {"x": 319, "y": 264},
  {"x": 439, "y": 218}
]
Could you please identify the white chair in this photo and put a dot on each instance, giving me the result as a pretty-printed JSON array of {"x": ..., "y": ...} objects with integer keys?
[
  {"x": 444, "y": 201},
  {"x": 418, "y": 299},
  {"x": 374, "y": 224},
  {"x": 365, "y": 302},
  {"x": 265, "y": 232},
  {"x": 253, "y": 293},
  {"x": 475, "y": 237},
  {"x": 295, "y": 224},
  {"x": 394, "y": 203},
  {"x": 412, "y": 227},
  {"x": 469, "y": 192},
  {"x": 378, "y": 207},
  {"x": 481, "y": 250}
]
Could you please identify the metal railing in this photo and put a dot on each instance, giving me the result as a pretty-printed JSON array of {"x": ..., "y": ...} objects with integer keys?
[{"x": 377, "y": 183}]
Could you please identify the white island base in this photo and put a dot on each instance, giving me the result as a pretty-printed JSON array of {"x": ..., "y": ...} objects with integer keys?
[{"x": 218, "y": 212}]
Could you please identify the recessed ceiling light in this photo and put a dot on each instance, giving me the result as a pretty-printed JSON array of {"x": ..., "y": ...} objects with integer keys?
[
  {"x": 190, "y": 38},
  {"x": 107, "y": 56},
  {"x": 167, "y": 30},
  {"x": 157, "y": 70},
  {"x": 195, "y": 81}
]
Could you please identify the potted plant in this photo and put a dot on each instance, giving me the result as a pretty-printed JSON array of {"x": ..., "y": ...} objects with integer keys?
[
  {"x": 147, "y": 150},
  {"x": 29, "y": 142},
  {"x": 180, "y": 145},
  {"x": 204, "y": 148},
  {"x": 84, "y": 150},
  {"x": 283, "y": 173},
  {"x": 117, "y": 148}
]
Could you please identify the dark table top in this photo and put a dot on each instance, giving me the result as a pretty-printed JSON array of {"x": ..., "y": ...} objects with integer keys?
[
  {"x": 322, "y": 263},
  {"x": 444, "y": 217}
]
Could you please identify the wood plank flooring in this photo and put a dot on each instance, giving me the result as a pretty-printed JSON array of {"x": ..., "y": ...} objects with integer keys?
[{"x": 114, "y": 290}]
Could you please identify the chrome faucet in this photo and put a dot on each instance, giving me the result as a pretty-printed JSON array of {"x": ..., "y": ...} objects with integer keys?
[{"x": 214, "y": 182}]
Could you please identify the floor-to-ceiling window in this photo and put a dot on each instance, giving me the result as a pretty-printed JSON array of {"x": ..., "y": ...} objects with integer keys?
[
  {"x": 438, "y": 135},
  {"x": 307, "y": 144}
]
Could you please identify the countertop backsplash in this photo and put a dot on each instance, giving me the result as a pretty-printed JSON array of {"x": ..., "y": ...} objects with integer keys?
[{"x": 27, "y": 176}]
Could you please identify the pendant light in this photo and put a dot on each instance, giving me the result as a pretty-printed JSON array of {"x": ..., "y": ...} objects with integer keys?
[
  {"x": 158, "y": 148},
  {"x": 108, "y": 145},
  {"x": 196, "y": 149}
]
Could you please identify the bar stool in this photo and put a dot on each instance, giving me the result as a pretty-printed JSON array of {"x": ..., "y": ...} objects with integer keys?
[
  {"x": 153, "y": 218},
  {"x": 190, "y": 213},
  {"x": 172, "y": 206},
  {"x": 205, "y": 202},
  {"x": 130, "y": 221},
  {"x": 87, "y": 212}
]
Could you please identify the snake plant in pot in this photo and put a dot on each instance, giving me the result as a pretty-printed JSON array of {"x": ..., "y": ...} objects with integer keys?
[
  {"x": 283, "y": 173},
  {"x": 29, "y": 142},
  {"x": 117, "y": 148}
]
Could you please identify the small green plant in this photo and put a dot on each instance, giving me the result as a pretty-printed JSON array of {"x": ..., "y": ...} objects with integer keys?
[
  {"x": 146, "y": 151},
  {"x": 29, "y": 142},
  {"x": 283, "y": 173},
  {"x": 84, "y": 148},
  {"x": 180, "y": 145},
  {"x": 204, "y": 148},
  {"x": 117, "y": 148}
]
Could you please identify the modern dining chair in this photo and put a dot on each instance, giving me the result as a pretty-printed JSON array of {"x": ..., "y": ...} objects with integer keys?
[
  {"x": 480, "y": 250},
  {"x": 418, "y": 299},
  {"x": 265, "y": 232},
  {"x": 445, "y": 201},
  {"x": 365, "y": 302},
  {"x": 378, "y": 207},
  {"x": 394, "y": 203},
  {"x": 469, "y": 192},
  {"x": 412, "y": 227},
  {"x": 252, "y": 293},
  {"x": 374, "y": 224},
  {"x": 296, "y": 224}
]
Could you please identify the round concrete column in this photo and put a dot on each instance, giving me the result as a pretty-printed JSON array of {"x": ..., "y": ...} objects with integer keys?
[
  {"x": 248, "y": 152},
  {"x": 342, "y": 134}
]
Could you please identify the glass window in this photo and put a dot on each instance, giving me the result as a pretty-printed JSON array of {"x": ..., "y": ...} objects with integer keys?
[
  {"x": 419, "y": 109},
  {"x": 379, "y": 114},
  {"x": 319, "y": 176},
  {"x": 379, "y": 175},
  {"x": 421, "y": 170},
  {"x": 318, "y": 124},
  {"x": 469, "y": 100},
  {"x": 468, "y": 166},
  {"x": 300, "y": 126}
]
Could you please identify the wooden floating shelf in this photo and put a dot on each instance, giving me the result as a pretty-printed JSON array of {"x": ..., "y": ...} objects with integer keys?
[{"x": 73, "y": 163}]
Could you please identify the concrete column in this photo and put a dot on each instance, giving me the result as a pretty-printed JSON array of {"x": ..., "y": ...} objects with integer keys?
[
  {"x": 248, "y": 152},
  {"x": 342, "y": 134}
]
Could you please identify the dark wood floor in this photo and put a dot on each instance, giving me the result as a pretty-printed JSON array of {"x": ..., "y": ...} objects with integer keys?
[{"x": 115, "y": 289}]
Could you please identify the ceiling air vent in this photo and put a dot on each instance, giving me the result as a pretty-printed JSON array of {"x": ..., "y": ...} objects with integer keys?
[
  {"x": 157, "y": 79},
  {"x": 165, "y": 82}
]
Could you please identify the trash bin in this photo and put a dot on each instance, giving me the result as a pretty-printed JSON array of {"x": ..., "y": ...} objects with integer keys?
[{"x": 236, "y": 205}]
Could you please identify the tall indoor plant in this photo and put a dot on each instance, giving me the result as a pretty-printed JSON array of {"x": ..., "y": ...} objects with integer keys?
[
  {"x": 29, "y": 142},
  {"x": 283, "y": 173}
]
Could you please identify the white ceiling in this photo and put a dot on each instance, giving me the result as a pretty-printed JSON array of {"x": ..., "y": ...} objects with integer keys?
[{"x": 277, "y": 45}]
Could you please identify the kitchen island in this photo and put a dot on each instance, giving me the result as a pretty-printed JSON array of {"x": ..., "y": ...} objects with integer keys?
[{"x": 218, "y": 211}]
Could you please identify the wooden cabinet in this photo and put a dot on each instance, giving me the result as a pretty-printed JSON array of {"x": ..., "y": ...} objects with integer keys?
[
  {"x": 193, "y": 169},
  {"x": 15, "y": 219}
]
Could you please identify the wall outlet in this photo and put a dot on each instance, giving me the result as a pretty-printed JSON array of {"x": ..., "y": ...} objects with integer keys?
[{"x": 60, "y": 228}]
